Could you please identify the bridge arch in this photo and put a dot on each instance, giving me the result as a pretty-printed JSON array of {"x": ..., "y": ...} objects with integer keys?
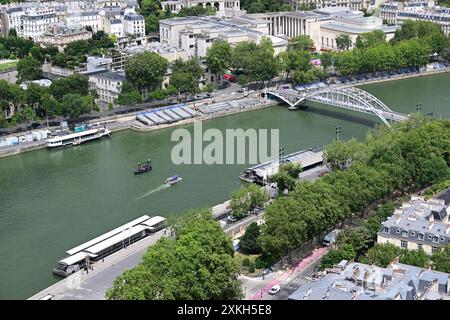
[{"x": 346, "y": 97}]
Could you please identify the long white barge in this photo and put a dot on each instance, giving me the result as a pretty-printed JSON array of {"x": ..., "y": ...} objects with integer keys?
[
  {"x": 112, "y": 241},
  {"x": 78, "y": 137}
]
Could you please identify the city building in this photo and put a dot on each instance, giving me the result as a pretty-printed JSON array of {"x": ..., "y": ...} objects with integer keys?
[
  {"x": 196, "y": 34},
  {"x": 418, "y": 224},
  {"x": 357, "y": 281},
  {"x": 223, "y": 7},
  {"x": 324, "y": 25},
  {"x": 108, "y": 85},
  {"x": 35, "y": 22},
  {"x": 169, "y": 52},
  {"x": 301, "y": 5},
  {"x": 59, "y": 35},
  {"x": 134, "y": 24},
  {"x": 396, "y": 12}
]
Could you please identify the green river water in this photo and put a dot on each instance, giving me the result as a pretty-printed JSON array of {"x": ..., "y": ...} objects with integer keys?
[{"x": 53, "y": 200}]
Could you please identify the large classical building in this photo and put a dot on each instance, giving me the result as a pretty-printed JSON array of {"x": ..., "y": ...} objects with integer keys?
[
  {"x": 397, "y": 12},
  {"x": 418, "y": 224},
  {"x": 301, "y": 5},
  {"x": 324, "y": 25}
]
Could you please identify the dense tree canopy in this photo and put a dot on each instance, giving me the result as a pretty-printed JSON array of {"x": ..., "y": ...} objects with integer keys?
[
  {"x": 146, "y": 70},
  {"x": 197, "y": 264}
]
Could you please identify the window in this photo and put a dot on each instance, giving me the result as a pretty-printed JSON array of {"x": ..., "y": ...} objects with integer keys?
[
  {"x": 433, "y": 249},
  {"x": 412, "y": 233},
  {"x": 435, "y": 239},
  {"x": 419, "y": 246},
  {"x": 385, "y": 229},
  {"x": 420, "y": 236},
  {"x": 404, "y": 234},
  {"x": 397, "y": 231},
  {"x": 404, "y": 244},
  {"x": 442, "y": 239}
]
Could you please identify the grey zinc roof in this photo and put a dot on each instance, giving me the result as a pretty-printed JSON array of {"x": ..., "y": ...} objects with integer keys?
[{"x": 114, "y": 75}]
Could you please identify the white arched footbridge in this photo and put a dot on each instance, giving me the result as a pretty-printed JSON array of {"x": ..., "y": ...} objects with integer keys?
[{"x": 346, "y": 97}]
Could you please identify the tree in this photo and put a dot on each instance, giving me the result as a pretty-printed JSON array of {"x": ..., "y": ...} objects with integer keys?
[
  {"x": 76, "y": 84},
  {"x": 196, "y": 264},
  {"x": 441, "y": 259},
  {"x": 261, "y": 64},
  {"x": 74, "y": 105},
  {"x": 36, "y": 53},
  {"x": 340, "y": 154},
  {"x": 301, "y": 43},
  {"x": 146, "y": 70},
  {"x": 369, "y": 39},
  {"x": 381, "y": 255},
  {"x": 12, "y": 32},
  {"x": 416, "y": 258},
  {"x": 219, "y": 57},
  {"x": 358, "y": 237},
  {"x": 334, "y": 256},
  {"x": 28, "y": 69},
  {"x": 327, "y": 60},
  {"x": 197, "y": 11},
  {"x": 129, "y": 95},
  {"x": 249, "y": 241},
  {"x": 433, "y": 171},
  {"x": 244, "y": 200},
  {"x": 184, "y": 83},
  {"x": 343, "y": 42}
]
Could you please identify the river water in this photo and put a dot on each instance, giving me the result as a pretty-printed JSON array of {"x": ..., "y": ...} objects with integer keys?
[{"x": 53, "y": 200}]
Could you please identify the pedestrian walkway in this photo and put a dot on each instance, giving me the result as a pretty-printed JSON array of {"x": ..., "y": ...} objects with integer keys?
[{"x": 290, "y": 275}]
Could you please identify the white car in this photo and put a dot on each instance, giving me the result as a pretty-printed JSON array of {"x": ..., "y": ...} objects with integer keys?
[
  {"x": 275, "y": 289},
  {"x": 231, "y": 219}
]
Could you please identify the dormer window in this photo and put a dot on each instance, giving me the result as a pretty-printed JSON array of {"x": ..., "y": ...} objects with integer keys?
[
  {"x": 397, "y": 231},
  {"x": 412, "y": 233},
  {"x": 435, "y": 239},
  {"x": 404, "y": 233},
  {"x": 385, "y": 229},
  {"x": 420, "y": 236}
]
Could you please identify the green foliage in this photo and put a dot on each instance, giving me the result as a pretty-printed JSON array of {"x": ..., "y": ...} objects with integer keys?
[
  {"x": 334, "y": 256},
  {"x": 28, "y": 69},
  {"x": 389, "y": 160},
  {"x": 73, "y": 105},
  {"x": 416, "y": 258},
  {"x": 146, "y": 70},
  {"x": 340, "y": 155},
  {"x": 370, "y": 39},
  {"x": 197, "y": 11},
  {"x": 185, "y": 76},
  {"x": 259, "y": 6},
  {"x": 381, "y": 255},
  {"x": 433, "y": 171},
  {"x": 343, "y": 42},
  {"x": 249, "y": 241},
  {"x": 359, "y": 238},
  {"x": 251, "y": 267},
  {"x": 197, "y": 264},
  {"x": 75, "y": 84},
  {"x": 301, "y": 43},
  {"x": 286, "y": 176},
  {"x": 219, "y": 57},
  {"x": 441, "y": 259},
  {"x": 246, "y": 262},
  {"x": 247, "y": 198}
]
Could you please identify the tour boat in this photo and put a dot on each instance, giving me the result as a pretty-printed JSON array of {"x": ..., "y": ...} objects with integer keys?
[
  {"x": 78, "y": 137},
  {"x": 173, "y": 179}
]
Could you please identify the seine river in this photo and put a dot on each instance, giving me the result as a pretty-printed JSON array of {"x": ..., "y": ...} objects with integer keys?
[{"x": 53, "y": 200}]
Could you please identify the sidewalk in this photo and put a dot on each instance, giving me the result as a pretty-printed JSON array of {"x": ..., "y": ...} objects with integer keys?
[{"x": 286, "y": 276}]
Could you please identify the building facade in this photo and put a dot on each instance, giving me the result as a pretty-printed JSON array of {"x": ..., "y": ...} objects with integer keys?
[
  {"x": 222, "y": 6},
  {"x": 417, "y": 224},
  {"x": 358, "y": 281},
  {"x": 108, "y": 85},
  {"x": 301, "y": 5},
  {"x": 195, "y": 35},
  {"x": 324, "y": 25},
  {"x": 397, "y": 12}
]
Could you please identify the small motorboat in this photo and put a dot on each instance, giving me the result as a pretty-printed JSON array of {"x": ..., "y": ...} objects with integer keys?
[
  {"x": 143, "y": 167},
  {"x": 173, "y": 179}
]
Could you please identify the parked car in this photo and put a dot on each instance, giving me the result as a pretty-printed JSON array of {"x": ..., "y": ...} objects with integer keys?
[
  {"x": 231, "y": 218},
  {"x": 242, "y": 90},
  {"x": 275, "y": 289}
]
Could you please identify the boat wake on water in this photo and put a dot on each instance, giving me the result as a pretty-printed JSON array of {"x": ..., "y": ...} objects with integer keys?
[{"x": 158, "y": 188}]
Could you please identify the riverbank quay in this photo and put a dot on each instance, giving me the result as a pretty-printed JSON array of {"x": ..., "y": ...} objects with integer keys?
[{"x": 92, "y": 285}]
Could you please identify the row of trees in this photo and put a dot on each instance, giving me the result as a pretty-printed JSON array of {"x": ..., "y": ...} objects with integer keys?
[
  {"x": 412, "y": 155},
  {"x": 195, "y": 264},
  {"x": 68, "y": 97},
  {"x": 259, "y": 6}
]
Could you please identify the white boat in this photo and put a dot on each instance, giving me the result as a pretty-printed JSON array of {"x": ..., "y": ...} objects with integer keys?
[
  {"x": 77, "y": 137},
  {"x": 173, "y": 179}
]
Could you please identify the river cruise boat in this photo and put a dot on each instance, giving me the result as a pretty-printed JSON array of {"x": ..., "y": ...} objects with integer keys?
[
  {"x": 78, "y": 137},
  {"x": 173, "y": 179},
  {"x": 108, "y": 243}
]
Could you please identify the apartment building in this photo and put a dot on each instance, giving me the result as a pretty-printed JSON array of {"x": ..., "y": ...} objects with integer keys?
[
  {"x": 299, "y": 5},
  {"x": 397, "y": 12},
  {"x": 108, "y": 85},
  {"x": 418, "y": 224},
  {"x": 223, "y": 7},
  {"x": 358, "y": 281}
]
